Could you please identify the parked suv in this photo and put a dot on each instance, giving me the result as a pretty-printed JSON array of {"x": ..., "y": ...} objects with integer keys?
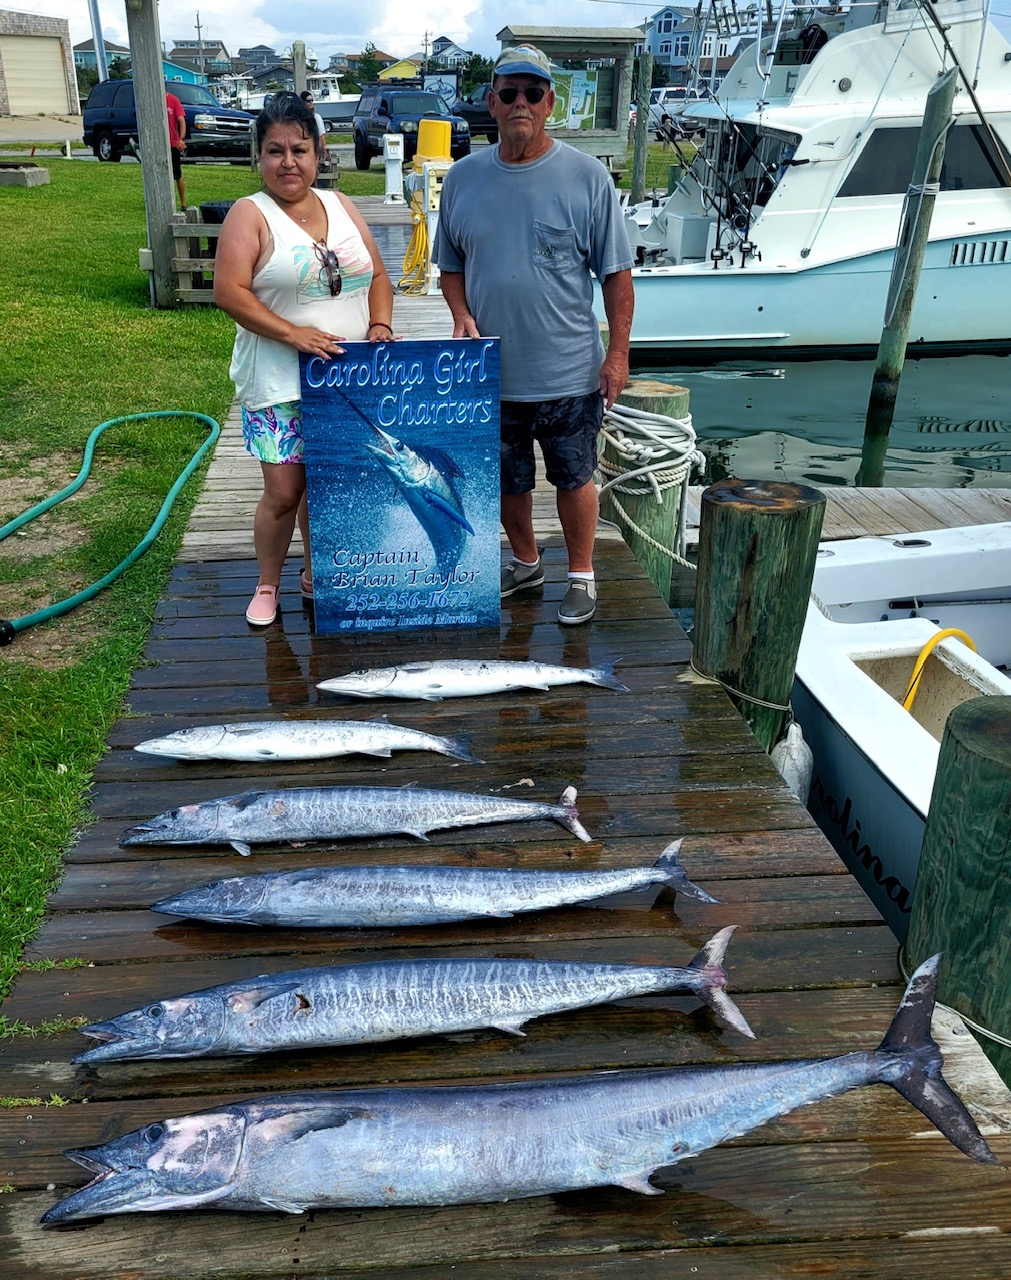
[
  {"x": 474, "y": 109},
  {"x": 384, "y": 109},
  {"x": 212, "y": 131}
]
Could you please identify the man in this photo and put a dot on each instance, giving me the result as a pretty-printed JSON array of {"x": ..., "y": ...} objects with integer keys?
[
  {"x": 521, "y": 227},
  {"x": 310, "y": 103},
  {"x": 177, "y": 142}
]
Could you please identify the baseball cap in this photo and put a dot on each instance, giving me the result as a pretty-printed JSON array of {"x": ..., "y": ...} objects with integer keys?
[{"x": 522, "y": 60}]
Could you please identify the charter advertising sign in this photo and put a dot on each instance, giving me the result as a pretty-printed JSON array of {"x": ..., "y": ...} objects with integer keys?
[{"x": 402, "y": 462}]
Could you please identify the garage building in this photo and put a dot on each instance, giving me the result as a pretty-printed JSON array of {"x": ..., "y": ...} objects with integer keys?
[{"x": 36, "y": 66}]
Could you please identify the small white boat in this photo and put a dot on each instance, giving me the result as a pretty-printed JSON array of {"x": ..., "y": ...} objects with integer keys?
[
  {"x": 876, "y": 602},
  {"x": 332, "y": 105},
  {"x": 780, "y": 238}
]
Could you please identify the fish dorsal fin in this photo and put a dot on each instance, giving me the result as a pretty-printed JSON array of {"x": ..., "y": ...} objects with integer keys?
[
  {"x": 416, "y": 666},
  {"x": 638, "y": 1182},
  {"x": 439, "y": 457}
]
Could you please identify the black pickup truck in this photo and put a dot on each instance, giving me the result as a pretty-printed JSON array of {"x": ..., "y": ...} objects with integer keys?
[{"x": 474, "y": 109}]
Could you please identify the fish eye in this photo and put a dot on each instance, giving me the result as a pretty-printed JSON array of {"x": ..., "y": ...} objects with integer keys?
[
  {"x": 154, "y": 1133},
  {"x": 399, "y": 446},
  {"x": 156, "y": 1011}
]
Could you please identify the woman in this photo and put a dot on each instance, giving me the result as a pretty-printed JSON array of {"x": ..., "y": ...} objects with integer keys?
[{"x": 297, "y": 270}]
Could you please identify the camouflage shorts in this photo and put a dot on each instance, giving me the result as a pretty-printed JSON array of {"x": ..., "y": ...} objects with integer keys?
[{"x": 566, "y": 429}]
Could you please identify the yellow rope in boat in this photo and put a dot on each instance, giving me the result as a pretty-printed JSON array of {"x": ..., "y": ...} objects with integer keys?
[{"x": 924, "y": 654}]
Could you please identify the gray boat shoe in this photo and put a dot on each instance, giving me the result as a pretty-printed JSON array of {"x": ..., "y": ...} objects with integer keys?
[
  {"x": 521, "y": 577},
  {"x": 579, "y": 602}
]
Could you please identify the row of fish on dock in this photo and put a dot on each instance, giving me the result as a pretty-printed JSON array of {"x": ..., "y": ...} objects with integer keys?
[{"x": 441, "y": 1145}]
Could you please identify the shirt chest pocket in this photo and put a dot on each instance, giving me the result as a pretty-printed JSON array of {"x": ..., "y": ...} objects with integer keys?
[{"x": 555, "y": 247}]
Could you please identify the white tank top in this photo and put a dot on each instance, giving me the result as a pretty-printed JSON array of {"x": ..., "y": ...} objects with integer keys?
[{"x": 293, "y": 285}]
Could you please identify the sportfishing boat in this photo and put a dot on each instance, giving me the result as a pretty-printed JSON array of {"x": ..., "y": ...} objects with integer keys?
[
  {"x": 878, "y": 672},
  {"x": 780, "y": 237},
  {"x": 334, "y": 106}
]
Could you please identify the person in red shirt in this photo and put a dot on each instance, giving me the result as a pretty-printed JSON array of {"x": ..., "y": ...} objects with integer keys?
[{"x": 177, "y": 142}]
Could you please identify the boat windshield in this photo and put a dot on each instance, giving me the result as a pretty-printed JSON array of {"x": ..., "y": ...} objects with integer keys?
[{"x": 740, "y": 166}]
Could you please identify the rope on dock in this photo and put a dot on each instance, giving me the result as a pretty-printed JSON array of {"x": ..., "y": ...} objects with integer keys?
[{"x": 660, "y": 451}]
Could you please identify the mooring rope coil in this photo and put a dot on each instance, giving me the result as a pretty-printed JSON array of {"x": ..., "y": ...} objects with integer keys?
[{"x": 658, "y": 451}]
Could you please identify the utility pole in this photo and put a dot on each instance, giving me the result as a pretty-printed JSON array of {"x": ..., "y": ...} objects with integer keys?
[{"x": 200, "y": 47}]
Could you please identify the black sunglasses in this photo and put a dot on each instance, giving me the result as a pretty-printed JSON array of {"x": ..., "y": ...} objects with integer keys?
[
  {"x": 510, "y": 93},
  {"x": 330, "y": 267}
]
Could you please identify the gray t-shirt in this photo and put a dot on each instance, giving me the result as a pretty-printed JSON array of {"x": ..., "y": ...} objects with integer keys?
[{"x": 526, "y": 237}]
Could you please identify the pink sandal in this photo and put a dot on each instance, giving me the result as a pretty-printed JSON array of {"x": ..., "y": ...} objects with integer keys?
[
  {"x": 305, "y": 583},
  {"x": 263, "y": 607}
]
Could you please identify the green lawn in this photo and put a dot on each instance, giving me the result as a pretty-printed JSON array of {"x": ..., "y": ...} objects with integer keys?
[{"x": 81, "y": 346}]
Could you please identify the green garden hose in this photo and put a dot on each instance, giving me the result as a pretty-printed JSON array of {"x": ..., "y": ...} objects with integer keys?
[{"x": 10, "y": 628}]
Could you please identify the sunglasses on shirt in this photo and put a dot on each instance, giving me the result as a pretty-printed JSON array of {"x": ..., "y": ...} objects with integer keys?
[
  {"x": 510, "y": 93},
  {"x": 329, "y": 267}
]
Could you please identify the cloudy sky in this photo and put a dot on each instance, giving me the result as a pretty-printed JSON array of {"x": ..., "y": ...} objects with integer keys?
[{"x": 397, "y": 27}]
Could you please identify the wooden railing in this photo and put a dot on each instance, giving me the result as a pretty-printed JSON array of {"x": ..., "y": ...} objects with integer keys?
[{"x": 194, "y": 243}]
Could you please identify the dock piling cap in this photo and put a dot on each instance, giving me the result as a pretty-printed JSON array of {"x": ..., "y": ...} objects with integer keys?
[{"x": 769, "y": 495}]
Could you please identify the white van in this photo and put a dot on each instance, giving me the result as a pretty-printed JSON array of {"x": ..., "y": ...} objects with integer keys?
[{"x": 666, "y": 104}]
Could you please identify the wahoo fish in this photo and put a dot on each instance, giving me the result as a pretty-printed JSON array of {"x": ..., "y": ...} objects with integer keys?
[
  {"x": 425, "y": 477},
  {"x": 393, "y": 1000},
  {"x": 464, "y": 678},
  {"x": 300, "y": 740},
  {"x": 465, "y": 1144},
  {"x": 373, "y": 897},
  {"x": 334, "y": 813}
]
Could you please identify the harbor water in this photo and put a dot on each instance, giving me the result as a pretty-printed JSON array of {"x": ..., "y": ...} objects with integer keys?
[{"x": 803, "y": 421}]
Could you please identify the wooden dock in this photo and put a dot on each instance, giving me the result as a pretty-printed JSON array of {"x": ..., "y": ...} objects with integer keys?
[{"x": 857, "y": 1187}]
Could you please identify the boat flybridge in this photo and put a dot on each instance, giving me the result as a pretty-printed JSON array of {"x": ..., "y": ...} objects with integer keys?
[{"x": 780, "y": 237}]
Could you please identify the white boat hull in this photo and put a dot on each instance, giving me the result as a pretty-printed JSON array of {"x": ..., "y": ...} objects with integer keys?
[
  {"x": 875, "y": 762},
  {"x": 834, "y": 309}
]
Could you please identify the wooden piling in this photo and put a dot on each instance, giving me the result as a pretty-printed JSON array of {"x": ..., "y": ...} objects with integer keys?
[
  {"x": 909, "y": 253},
  {"x": 963, "y": 886},
  {"x": 643, "y": 521},
  {"x": 757, "y": 545}
]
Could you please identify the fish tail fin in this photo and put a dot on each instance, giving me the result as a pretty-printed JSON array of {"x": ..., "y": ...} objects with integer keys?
[
  {"x": 569, "y": 817},
  {"x": 605, "y": 677},
  {"x": 910, "y": 1062},
  {"x": 713, "y": 981},
  {"x": 459, "y": 749},
  {"x": 674, "y": 873}
]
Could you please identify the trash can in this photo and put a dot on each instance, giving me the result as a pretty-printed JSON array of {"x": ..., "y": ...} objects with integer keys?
[{"x": 213, "y": 211}]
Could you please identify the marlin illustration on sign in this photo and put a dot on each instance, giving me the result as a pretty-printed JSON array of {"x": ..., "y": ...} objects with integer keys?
[{"x": 425, "y": 478}]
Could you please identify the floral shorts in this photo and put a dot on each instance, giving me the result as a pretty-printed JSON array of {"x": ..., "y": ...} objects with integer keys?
[{"x": 274, "y": 434}]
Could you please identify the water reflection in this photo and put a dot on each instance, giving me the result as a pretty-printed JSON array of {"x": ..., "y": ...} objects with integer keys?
[{"x": 803, "y": 422}]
